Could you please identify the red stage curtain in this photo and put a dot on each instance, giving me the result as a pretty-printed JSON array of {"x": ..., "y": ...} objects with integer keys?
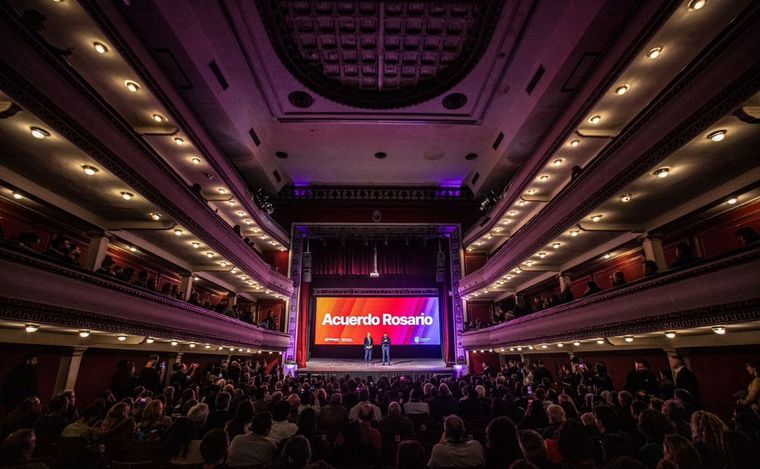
[
  {"x": 303, "y": 320},
  {"x": 354, "y": 258}
]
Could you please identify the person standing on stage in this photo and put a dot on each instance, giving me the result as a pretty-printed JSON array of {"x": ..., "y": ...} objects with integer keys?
[
  {"x": 368, "y": 343},
  {"x": 385, "y": 345}
]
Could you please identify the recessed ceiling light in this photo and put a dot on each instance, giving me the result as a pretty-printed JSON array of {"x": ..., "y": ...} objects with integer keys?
[
  {"x": 179, "y": 140},
  {"x": 625, "y": 198},
  {"x": 732, "y": 201},
  {"x": 628, "y": 338},
  {"x": 127, "y": 195},
  {"x": 543, "y": 178},
  {"x": 575, "y": 143},
  {"x": 89, "y": 170},
  {"x": 506, "y": 221},
  {"x": 121, "y": 337},
  {"x": 556, "y": 245},
  {"x": 100, "y": 48},
  {"x": 132, "y": 86},
  {"x": 595, "y": 119},
  {"x": 192, "y": 345},
  {"x": 149, "y": 340},
  {"x": 697, "y": 4},
  {"x": 558, "y": 162},
  {"x": 529, "y": 263},
  {"x": 196, "y": 278},
  {"x": 670, "y": 334},
  {"x": 720, "y": 330},
  {"x": 662, "y": 172},
  {"x": 531, "y": 191},
  {"x": 521, "y": 203},
  {"x": 133, "y": 249},
  {"x": 508, "y": 277},
  {"x": 596, "y": 218},
  {"x": 600, "y": 341},
  {"x": 207, "y": 346},
  {"x": 622, "y": 89},
  {"x": 178, "y": 232},
  {"x": 39, "y": 133},
  {"x": 84, "y": 333},
  {"x": 223, "y": 263},
  {"x": 607, "y": 255},
  {"x": 17, "y": 196},
  {"x": 248, "y": 221},
  {"x": 222, "y": 190},
  {"x": 196, "y": 244},
  {"x": 158, "y": 118},
  {"x": 560, "y": 344},
  {"x": 576, "y": 343},
  {"x": 209, "y": 254},
  {"x": 195, "y": 160},
  {"x": 174, "y": 343},
  {"x": 654, "y": 52},
  {"x": 240, "y": 213},
  {"x": 544, "y": 346},
  {"x": 231, "y": 202},
  {"x": 717, "y": 136},
  {"x": 480, "y": 243},
  {"x": 512, "y": 213},
  {"x": 574, "y": 233},
  {"x": 155, "y": 216},
  {"x": 517, "y": 270},
  {"x": 541, "y": 255},
  {"x": 31, "y": 328}
]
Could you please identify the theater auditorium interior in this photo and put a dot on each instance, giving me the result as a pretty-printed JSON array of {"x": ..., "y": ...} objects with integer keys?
[{"x": 380, "y": 234}]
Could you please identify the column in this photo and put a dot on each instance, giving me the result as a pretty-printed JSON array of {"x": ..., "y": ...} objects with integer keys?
[
  {"x": 653, "y": 251},
  {"x": 68, "y": 370},
  {"x": 96, "y": 251},
  {"x": 186, "y": 289}
]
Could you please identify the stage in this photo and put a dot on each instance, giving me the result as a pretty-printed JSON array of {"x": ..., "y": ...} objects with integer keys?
[{"x": 413, "y": 367}]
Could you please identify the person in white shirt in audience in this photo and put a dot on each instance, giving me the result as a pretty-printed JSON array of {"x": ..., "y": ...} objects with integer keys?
[
  {"x": 281, "y": 428},
  {"x": 254, "y": 448},
  {"x": 415, "y": 405},
  {"x": 454, "y": 450}
]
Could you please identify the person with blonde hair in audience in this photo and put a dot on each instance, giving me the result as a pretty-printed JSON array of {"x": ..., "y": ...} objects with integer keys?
[
  {"x": 678, "y": 452},
  {"x": 707, "y": 431}
]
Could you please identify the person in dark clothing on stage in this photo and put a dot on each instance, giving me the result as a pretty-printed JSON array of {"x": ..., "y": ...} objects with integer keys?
[
  {"x": 641, "y": 379},
  {"x": 368, "y": 343},
  {"x": 683, "y": 378},
  {"x": 20, "y": 383},
  {"x": 386, "y": 349}
]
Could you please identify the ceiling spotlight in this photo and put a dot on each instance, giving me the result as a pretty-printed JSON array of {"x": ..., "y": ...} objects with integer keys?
[
  {"x": 544, "y": 178},
  {"x": 240, "y": 213},
  {"x": 575, "y": 143},
  {"x": 654, "y": 52},
  {"x": 625, "y": 198},
  {"x": 530, "y": 347},
  {"x": 600, "y": 341},
  {"x": 155, "y": 216},
  {"x": 556, "y": 245},
  {"x": 596, "y": 218},
  {"x": 195, "y": 160},
  {"x": 132, "y": 86},
  {"x": 196, "y": 244},
  {"x": 84, "y": 333},
  {"x": 529, "y": 263},
  {"x": 717, "y": 136},
  {"x": 720, "y": 330},
  {"x": 220, "y": 347},
  {"x": 248, "y": 221},
  {"x": 231, "y": 202},
  {"x": 133, "y": 249},
  {"x": 121, "y": 337},
  {"x": 576, "y": 343},
  {"x": 544, "y": 346},
  {"x": 697, "y": 4},
  {"x": 558, "y": 162},
  {"x": 541, "y": 255},
  {"x": 209, "y": 254},
  {"x": 560, "y": 344},
  {"x": 31, "y": 328},
  {"x": 207, "y": 346},
  {"x": 533, "y": 191},
  {"x": 222, "y": 190},
  {"x": 39, "y": 133},
  {"x": 607, "y": 256},
  {"x": 174, "y": 343},
  {"x": 508, "y": 277},
  {"x": 178, "y": 232},
  {"x": 521, "y": 203},
  {"x": 127, "y": 195},
  {"x": 732, "y": 201},
  {"x": 506, "y": 221},
  {"x": 196, "y": 278},
  {"x": 512, "y": 213},
  {"x": 223, "y": 263},
  {"x": 17, "y": 196},
  {"x": 192, "y": 345},
  {"x": 595, "y": 119},
  {"x": 628, "y": 338},
  {"x": 574, "y": 233},
  {"x": 89, "y": 170},
  {"x": 670, "y": 334},
  {"x": 662, "y": 172},
  {"x": 158, "y": 118},
  {"x": 179, "y": 140},
  {"x": 622, "y": 89},
  {"x": 149, "y": 340},
  {"x": 100, "y": 48}
]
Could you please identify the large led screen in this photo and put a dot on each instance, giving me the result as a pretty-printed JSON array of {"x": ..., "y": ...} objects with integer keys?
[{"x": 346, "y": 320}]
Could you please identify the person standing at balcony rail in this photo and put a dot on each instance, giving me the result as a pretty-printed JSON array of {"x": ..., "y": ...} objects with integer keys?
[{"x": 386, "y": 349}]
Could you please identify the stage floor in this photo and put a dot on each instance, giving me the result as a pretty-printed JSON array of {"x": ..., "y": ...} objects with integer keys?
[{"x": 403, "y": 366}]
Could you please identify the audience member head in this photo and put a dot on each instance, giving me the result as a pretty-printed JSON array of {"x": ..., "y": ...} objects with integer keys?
[
  {"x": 681, "y": 452},
  {"x": 453, "y": 429},
  {"x": 307, "y": 421},
  {"x": 214, "y": 446},
  {"x": 533, "y": 446},
  {"x": 280, "y": 411},
  {"x": 296, "y": 453},
  {"x": 366, "y": 413},
  {"x": 411, "y": 455},
  {"x": 606, "y": 419},
  {"x": 198, "y": 414},
  {"x": 18, "y": 446},
  {"x": 556, "y": 414},
  {"x": 653, "y": 425},
  {"x": 222, "y": 401},
  {"x": 501, "y": 438},
  {"x": 650, "y": 268},
  {"x": 707, "y": 429},
  {"x": 747, "y": 235},
  {"x": 573, "y": 444},
  {"x": 262, "y": 423}
]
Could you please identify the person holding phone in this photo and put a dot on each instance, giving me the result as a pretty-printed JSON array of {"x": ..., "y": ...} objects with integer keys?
[
  {"x": 385, "y": 345},
  {"x": 368, "y": 344}
]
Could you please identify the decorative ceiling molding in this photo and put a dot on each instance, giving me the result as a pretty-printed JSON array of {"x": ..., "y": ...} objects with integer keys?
[{"x": 380, "y": 55}]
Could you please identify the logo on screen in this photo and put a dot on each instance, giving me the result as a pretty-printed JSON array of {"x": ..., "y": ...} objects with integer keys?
[{"x": 416, "y": 339}]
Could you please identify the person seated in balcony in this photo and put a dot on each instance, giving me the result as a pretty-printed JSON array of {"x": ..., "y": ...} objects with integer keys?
[
  {"x": 269, "y": 322},
  {"x": 107, "y": 267},
  {"x": 127, "y": 274},
  {"x": 195, "y": 299},
  {"x": 522, "y": 307},
  {"x": 479, "y": 324},
  {"x": 166, "y": 289},
  {"x": 684, "y": 256},
  {"x": 498, "y": 315},
  {"x": 747, "y": 236},
  {"x": 28, "y": 241},
  {"x": 142, "y": 279},
  {"x": 237, "y": 230},
  {"x": 565, "y": 292},
  {"x": 73, "y": 255},
  {"x": 454, "y": 450},
  {"x": 58, "y": 248},
  {"x": 618, "y": 279},
  {"x": 650, "y": 268},
  {"x": 591, "y": 289}
]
